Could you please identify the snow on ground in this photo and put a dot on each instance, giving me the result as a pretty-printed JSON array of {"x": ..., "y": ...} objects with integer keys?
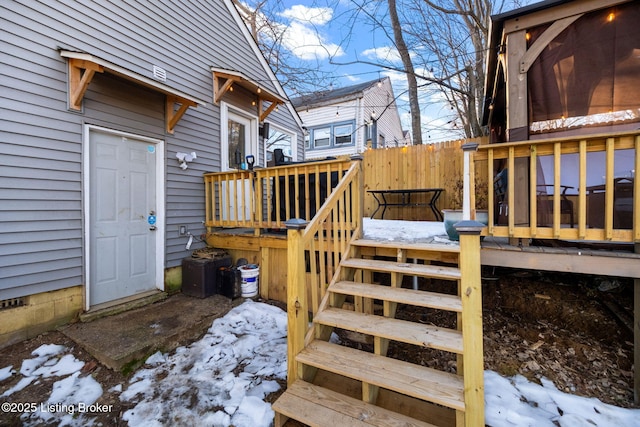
[
  {"x": 222, "y": 379},
  {"x": 408, "y": 231},
  {"x": 229, "y": 372}
]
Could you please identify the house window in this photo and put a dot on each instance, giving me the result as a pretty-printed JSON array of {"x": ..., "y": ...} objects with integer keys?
[
  {"x": 322, "y": 137},
  {"x": 282, "y": 140},
  {"x": 333, "y": 135},
  {"x": 343, "y": 134},
  {"x": 382, "y": 142}
]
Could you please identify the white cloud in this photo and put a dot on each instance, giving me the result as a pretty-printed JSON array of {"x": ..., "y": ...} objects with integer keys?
[
  {"x": 302, "y": 37},
  {"x": 308, "y": 15},
  {"x": 385, "y": 53},
  {"x": 351, "y": 78},
  {"x": 307, "y": 44}
]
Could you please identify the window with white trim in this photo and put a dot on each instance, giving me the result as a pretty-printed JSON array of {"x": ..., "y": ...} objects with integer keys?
[
  {"x": 322, "y": 137},
  {"x": 343, "y": 134},
  {"x": 280, "y": 139},
  {"x": 333, "y": 135}
]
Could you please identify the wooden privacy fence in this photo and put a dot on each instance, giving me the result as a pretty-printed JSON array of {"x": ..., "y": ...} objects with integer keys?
[{"x": 421, "y": 166}]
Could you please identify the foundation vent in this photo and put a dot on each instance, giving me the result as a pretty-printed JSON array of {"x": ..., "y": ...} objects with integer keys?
[{"x": 6, "y": 304}]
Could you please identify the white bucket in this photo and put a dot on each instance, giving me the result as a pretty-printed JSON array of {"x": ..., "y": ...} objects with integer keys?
[{"x": 249, "y": 285}]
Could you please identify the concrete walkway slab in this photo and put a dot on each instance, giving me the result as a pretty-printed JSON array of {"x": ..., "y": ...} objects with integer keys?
[{"x": 123, "y": 341}]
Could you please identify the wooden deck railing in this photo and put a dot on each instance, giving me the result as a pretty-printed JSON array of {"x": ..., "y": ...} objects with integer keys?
[
  {"x": 314, "y": 252},
  {"x": 602, "y": 201},
  {"x": 267, "y": 197}
]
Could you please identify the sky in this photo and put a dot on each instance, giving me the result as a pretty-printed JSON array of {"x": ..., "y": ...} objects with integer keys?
[
  {"x": 325, "y": 34},
  {"x": 222, "y": 379},
  {"x": 329, "y": 37}
]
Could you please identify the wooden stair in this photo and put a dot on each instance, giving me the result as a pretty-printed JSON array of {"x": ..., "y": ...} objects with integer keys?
[{"x": 324, "y": 393}]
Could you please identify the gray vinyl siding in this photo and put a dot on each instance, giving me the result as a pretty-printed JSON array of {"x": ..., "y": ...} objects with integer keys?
[{"x": 41, "y": 197}]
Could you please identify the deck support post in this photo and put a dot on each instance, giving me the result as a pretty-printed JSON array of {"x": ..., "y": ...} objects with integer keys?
[
  {"x": 297, "y": 308},
  {"x": 471, "y": 294}
]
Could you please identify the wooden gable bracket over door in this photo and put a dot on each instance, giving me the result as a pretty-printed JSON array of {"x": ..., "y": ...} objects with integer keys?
[
  {"x": 82, "y": 68},
  {"x": 223, "y": 81}
]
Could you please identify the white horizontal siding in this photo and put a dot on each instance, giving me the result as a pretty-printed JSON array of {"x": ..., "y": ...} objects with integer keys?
[{"x": 41, "y": 140}]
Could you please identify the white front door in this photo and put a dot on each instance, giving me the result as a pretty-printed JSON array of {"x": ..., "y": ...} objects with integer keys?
[
  {"x": 125, "y": 257},
  {"x": 240, "y": 139}
]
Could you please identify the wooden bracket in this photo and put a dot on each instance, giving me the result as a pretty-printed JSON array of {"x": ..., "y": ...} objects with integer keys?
[
  {"x": 263, "y": 114},
  {"x": 230, "y": 78},
  {"x": 79, "y": 81},
  {"x": 173, "y": 116},
  {"x": 543, "y": 41},
  {"x": 219, "y": 91}
]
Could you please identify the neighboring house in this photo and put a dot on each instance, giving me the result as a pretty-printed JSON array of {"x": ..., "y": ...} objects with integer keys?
[
  {"x": 99, "y": 99},
  {"x": 348, "y": 120}
]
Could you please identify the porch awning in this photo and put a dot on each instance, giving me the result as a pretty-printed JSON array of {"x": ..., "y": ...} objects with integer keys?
[
  {"x": 223, "y": 81},
  {"x": 79, "y": 81}
]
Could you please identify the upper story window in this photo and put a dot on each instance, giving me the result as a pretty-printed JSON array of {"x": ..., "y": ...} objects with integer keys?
[
  {"x": 333, "y": 135},
  {"x": 321, "y": 137},
  {"x": 343, "y": 134}
]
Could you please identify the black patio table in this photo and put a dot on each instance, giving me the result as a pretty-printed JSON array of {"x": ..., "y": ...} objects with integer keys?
[{"x": 402, "y": 197}]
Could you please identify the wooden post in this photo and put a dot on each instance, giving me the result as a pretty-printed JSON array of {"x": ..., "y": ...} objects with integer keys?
[
  {"x": 467, "y": 149},
  {"x": 471, "y": 316},
  {"x": 472, "y": 368},
  {"x": 297, "y": 309}
]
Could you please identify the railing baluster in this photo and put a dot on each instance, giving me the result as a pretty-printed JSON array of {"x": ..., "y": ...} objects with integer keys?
[
  {"x": 599, "y": 214},
  {"x": 533, "y": 190},
  {"x": 609, "y": 189},
  {"x": 317, "y": 189},
  {"x": 582, "y": 190},
  {"x": 636, "y": 193},
  {"x": 557, "y": 173},
  {"x": 491, "y": 191},
  {"x": 511, "y": 193},
  {"x": 270, "y": 197}
]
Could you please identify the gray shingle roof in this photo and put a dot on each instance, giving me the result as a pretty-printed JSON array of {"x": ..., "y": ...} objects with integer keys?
[{"x": 325, "y": 96}]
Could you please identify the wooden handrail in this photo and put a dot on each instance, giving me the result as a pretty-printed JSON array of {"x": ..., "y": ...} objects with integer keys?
[
  {"x": 319, "y": 245},
  {"x": 522, "y": 160},
  {"x": 333, "y": 199}
]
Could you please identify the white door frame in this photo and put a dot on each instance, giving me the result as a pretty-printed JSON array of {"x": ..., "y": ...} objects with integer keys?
[
  {"x": 225, "y": 111},
  {"x": 160, "y": 205}
]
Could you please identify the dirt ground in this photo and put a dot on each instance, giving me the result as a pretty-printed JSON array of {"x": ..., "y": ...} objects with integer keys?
[{"x": 535, "y": 324}]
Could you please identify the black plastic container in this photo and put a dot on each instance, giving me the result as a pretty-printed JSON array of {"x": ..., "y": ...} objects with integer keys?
[
  {"x": 200, "y": 275},
  {"x": 230, "y": 282}
]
